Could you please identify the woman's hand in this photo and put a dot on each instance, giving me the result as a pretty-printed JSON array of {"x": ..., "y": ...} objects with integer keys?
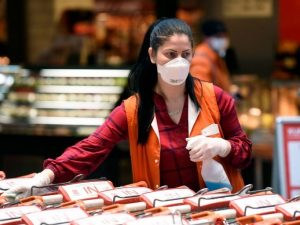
[
  {"x": 23, "y": 190},
  {"x": 202, "y": 148}
]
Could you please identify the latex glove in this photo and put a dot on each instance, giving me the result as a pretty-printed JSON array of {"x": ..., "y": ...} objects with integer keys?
[
  {"x": 202, "y": 148},
  {"x": 23, "y": 190}
]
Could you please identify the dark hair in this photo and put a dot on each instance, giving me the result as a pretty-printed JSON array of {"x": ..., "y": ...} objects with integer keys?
[
  {"x": 213, "y": 27},
  {"x": 143, "y": 75}
]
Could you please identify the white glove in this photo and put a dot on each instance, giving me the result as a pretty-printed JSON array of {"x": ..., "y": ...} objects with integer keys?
[
  {"x": 202, "y": 148},
  {"x": 23, "y": 190}
]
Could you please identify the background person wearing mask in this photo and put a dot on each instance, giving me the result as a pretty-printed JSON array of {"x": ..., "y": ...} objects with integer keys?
[
  {"x": 2, "y": 175},
  {"x": 208, "y": 61},
  {"x": 163, "y": 122}
]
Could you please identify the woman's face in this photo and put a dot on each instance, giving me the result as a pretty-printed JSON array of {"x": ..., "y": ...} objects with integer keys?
[{"x": 177, "y": 45}]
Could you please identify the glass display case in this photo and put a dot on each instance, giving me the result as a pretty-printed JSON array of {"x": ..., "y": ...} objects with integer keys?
[
  {"x": 6, "y": 79},
  {"x": 285, "y": 79},
  {"x": 255, "y": 115},
  {"x": 286, "y": 97},
  {"x": 261, "y": 103},
  {"x": 68, "y": 102}
]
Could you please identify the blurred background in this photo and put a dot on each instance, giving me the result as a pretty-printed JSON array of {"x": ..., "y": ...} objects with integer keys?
[{"x": 64, "y": 66}]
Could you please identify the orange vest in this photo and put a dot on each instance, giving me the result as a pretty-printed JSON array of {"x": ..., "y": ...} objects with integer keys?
[
  {"x": 208, "y": 66},
  {"x": 145, "y": 158}
]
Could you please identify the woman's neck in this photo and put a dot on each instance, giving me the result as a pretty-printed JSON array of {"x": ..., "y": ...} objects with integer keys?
[
  {"x": 170, "y": 92},
  {"x": 174, "y": 97}
]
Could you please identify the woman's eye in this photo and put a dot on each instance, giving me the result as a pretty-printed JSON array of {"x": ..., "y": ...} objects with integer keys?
[
  {"x": 186, "y": 55},
  {"x": 171, "y": 55}
]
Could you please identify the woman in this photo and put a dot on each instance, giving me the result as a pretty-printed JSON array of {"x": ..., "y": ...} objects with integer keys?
[{"x": 168, "y": 106}]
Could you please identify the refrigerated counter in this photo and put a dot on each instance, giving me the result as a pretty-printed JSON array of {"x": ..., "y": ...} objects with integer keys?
[
  {"x": 67, "y": 102},
  {"x": 44, "y": 111}
]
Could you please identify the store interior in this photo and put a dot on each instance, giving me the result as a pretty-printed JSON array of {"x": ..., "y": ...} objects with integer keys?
[{"x": 65, "y": 65}]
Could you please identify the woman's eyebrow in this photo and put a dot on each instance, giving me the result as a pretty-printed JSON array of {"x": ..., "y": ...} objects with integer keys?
[
  {"x": 187, "y": 50},
  {"x": 170, "y": 49}
]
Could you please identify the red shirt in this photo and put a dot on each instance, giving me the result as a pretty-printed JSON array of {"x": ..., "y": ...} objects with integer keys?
[
  {"x": 85, "y": 156},
  {"x": 176, "y": 168}
]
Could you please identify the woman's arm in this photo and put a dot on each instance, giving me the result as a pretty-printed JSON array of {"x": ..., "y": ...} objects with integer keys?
[
  {"x": 241, "y": 146},
  {"x": 85, "y": 156}
]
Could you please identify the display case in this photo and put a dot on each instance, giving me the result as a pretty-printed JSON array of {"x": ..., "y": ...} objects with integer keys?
[
  {"x": 286, "y": 97},
  {"x": 286, "y": 79},
  {"x": 254, "y": 110},
  {"x": 67, "y": 102}
]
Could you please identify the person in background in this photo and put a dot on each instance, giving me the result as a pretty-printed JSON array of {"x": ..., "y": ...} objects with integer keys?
[
  {"x": 168, "y": 107},
  {"x": 2, "y": 175},
  {"x": 138, "y": 66},
  {"x": 208, "y": 62},
  {"x": 4, "y": 58},
  {"x": 72, "y": 43}
]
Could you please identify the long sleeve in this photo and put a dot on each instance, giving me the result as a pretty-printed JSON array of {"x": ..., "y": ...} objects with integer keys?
[
  {"x": 85, "y": 156},
  {"x": 241, "y": 146}
]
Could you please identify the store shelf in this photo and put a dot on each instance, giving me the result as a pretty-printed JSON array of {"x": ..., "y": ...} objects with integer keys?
[
  {"x": 285, "y": 83},
  {"x": 64, "y": 101},
  {"x": 71, "y": 121},
  {"x": 65, "y": 121},
  {"x": 80, "y": 89},
  {"x": 71, "y": 105},
  {"x": 84, "y": 73}
]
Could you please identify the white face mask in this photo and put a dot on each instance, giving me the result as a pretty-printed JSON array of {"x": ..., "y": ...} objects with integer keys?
[
  {"x": 220, "y": 45},
  {"x": 175, "y": 71}
]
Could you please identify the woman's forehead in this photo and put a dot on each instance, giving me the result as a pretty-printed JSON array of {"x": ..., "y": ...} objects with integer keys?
[{"x": 177, "y": 40}]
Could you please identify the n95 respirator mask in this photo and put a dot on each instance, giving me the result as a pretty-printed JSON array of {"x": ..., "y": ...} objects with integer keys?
[{"x": 175, "y": 71}]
